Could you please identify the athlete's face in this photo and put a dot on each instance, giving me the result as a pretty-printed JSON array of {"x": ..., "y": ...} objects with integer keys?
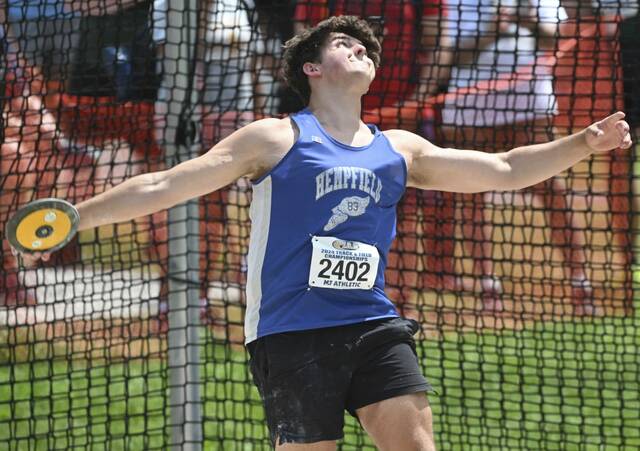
[{"x": 343, "y": 55}]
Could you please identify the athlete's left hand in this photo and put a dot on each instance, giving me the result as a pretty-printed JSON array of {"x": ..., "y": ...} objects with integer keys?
[{"x": 609, "y": 134}]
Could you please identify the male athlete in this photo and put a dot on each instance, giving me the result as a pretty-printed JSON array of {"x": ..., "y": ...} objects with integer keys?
[{"x": 322, "y": 335}]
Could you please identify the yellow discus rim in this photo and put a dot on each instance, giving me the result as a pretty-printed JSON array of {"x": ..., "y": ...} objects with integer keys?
[
  {"x": 42, "y": 225},
  {"x": 43, "y": 229}
]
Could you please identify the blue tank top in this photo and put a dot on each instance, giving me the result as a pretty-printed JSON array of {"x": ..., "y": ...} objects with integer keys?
[{"x": 322, "y": 191}]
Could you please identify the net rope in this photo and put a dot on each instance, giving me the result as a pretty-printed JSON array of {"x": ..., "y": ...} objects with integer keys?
[{"x": 526, "y": 299}]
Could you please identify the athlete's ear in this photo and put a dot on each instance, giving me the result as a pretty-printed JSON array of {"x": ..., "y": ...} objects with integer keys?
[{"x": 311, "y": 69}]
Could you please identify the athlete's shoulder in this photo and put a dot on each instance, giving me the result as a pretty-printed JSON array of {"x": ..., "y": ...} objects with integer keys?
[
  {"x": 403, "y": 141},
  {"x": 272, "y": 138},
  {"x": 267, "y": 135},
  {"x": 271, "y": 130},
  {"x": 411, "y": 146}
]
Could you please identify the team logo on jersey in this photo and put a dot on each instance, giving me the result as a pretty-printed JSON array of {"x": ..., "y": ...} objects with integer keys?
[
  {"x": 348, "y": 177},
  {"x": 347, "y": 208},
  {"x": 342, "y": 245}
]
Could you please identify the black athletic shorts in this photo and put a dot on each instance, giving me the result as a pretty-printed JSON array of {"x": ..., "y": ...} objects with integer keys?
[{"x": 307, "y": 379}]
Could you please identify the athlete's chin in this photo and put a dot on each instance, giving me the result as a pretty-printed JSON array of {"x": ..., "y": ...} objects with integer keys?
[
  {"x": 363, "y": 76},
  {"x": 366, "y": 84},
  {"x": 358, "y": 80}
]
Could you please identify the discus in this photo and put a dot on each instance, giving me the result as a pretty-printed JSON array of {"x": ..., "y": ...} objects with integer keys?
[{"x": 45, "y": 225}]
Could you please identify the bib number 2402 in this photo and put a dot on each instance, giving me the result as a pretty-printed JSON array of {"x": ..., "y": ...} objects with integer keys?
[{"x": 343, "y": 265}]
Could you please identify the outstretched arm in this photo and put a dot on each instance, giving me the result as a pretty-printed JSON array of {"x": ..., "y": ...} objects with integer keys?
[
  {"x": 246, "y": 152},
  {"x": 469, "y": 171}
]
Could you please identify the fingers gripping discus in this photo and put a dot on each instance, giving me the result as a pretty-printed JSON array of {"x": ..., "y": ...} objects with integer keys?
[{"x": 44, "y": 225}]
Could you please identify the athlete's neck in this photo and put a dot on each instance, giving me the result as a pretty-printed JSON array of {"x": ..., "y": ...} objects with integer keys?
[{"x": 338, "y": 114}]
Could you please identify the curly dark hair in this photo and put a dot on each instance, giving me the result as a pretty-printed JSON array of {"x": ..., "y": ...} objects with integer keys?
[{"x": 306, "y": 47}]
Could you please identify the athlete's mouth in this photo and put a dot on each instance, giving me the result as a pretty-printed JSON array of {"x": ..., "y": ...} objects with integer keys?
[{"x": 359, "y": 61}]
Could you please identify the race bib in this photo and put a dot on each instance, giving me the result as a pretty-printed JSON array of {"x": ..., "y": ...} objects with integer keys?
[{"x": 343, "y": 265}]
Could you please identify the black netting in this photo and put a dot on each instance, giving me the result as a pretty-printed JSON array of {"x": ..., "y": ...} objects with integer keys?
[{"x": 526, "y": 299}]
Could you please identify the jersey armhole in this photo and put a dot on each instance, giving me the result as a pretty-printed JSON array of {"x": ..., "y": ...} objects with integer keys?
[
  {"x": 298, "y": 129},
  {"x": 404, "y": 162}
]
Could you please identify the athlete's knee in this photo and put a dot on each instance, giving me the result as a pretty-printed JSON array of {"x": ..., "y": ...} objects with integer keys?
[
  {"x": 403, "y": 423},
  {"x": 422, "y": 438},
  {"x": 424, "y": 434}
]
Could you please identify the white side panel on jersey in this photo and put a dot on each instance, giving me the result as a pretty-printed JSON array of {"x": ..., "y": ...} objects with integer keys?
[{"x": 260, "y": 213}]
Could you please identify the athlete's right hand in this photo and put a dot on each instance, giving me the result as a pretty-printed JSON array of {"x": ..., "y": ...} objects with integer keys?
[{"x": 30, "y": 259}]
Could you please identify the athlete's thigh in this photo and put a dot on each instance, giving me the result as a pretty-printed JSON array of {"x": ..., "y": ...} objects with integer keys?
[
  {"x": 388, "y": 389},
  {"x": 401, "y": 423},
  {"x": 303, "y": 380},
  {"x": 387, "y": 365}
]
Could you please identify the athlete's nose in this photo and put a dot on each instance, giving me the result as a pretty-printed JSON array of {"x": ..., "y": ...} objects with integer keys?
[{"x": 359, "y": 50}]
